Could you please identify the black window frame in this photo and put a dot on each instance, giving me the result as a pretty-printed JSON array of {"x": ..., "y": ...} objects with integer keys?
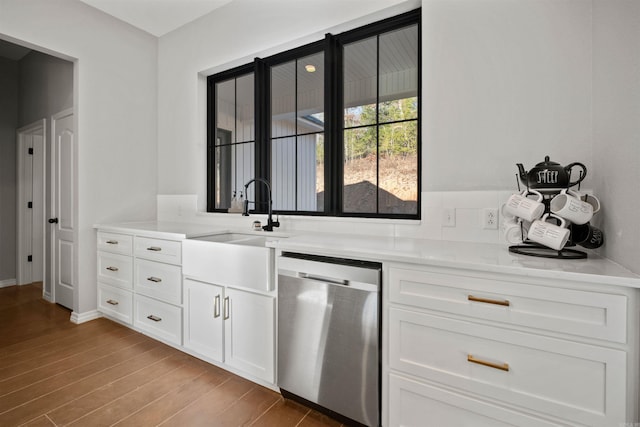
[{"x": 332, "y": 45}]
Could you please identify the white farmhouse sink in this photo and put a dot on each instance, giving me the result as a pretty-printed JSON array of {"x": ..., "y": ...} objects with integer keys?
[{"x": 230, "y": 259}]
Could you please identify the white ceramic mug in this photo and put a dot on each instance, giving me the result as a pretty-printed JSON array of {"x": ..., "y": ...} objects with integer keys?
[
  {"x": 514, "y": 230},
  {"x": 550, "y": 235},
  {"x": 569, "y": 206},
  {"x": 593, "y": 201},
  {"x": 523, "y": 207}
]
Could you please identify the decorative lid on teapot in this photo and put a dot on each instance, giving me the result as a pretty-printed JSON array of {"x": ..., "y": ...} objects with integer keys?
[{"x": 550, "y": 175}]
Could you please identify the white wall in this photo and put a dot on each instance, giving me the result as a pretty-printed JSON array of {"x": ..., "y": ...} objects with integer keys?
[
  {"x": 8, "y": 125},
  {"x": 616, "y": 93},
  {"x": 115, "y": 102},
  {"x": 234, "y": 35}
]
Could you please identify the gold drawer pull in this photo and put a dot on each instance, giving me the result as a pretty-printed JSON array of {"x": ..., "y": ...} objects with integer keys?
[
  {"x": 154, "y": 248},
  {"x": 154, "y": 318},
  {"x": 500, "y": 366},
  {"x": 154, "y": 279},
  {"x": 112, "y": 242},
  {"x": 112, "y": 302},
  {"x": 505, "y": 303},
  {"x": 112, "y": 268}
]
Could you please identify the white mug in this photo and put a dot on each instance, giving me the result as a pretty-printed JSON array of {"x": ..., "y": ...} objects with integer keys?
[
  {"x": 514, "y": 230},
  {"x": 593, "y": 201},
  {"x": 570, "y": 207},
  {"x": 523, "y": 207},
  {"x": 547, "y": 234}
]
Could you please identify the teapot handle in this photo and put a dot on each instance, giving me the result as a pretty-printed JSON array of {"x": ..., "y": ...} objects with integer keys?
[{"x": 584, "y": 172}]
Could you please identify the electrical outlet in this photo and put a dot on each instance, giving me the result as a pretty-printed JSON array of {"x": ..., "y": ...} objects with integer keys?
[
  {"x": 449, "y": 217},
  {"x": 490, "y": 219}
]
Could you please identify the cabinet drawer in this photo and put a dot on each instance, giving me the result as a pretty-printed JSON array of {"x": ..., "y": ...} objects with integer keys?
[
  {"x": 169, "y": 251},
  {"x": 114, "y": 269},
  {"x": 158, "y": 319},
  {"x": 562, "y": 378},
  {"x": 157, "y": 280},
  {"x": 115, "y": 302},
  {"x": 578, "y": 312},
  {"x": 416, "y": 404},
  {"x": 115, "y": 243}
]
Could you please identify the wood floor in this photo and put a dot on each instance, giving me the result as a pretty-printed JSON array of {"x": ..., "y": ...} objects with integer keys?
[{"x": 54, "y": 373}]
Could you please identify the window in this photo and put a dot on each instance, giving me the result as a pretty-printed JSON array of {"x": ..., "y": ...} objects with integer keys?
[{"x": 333, "y": 126}]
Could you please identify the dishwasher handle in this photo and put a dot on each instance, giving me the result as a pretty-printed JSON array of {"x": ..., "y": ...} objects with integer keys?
[{"x": 323, "y": 279}]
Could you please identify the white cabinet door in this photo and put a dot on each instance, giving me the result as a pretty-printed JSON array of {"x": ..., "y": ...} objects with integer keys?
[
  {"x": 250, "y": 333},
  {"x": 203, "y": 318}
]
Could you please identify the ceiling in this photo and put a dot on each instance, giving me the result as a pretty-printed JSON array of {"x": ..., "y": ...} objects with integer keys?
[{"x": 157, "y": 17}]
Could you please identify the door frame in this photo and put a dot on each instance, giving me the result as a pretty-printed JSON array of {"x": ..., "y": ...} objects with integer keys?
[{"x": 23, "y": 267}]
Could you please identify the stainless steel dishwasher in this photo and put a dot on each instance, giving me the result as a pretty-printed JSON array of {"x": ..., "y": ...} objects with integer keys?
[{"x": 329, "y": 334}]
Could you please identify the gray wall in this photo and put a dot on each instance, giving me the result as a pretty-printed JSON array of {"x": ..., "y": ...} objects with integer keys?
[
  {"x": 8, "y": 124},
  {"x": 46, "y": 87},
  {"x": 616, "y": 126}
]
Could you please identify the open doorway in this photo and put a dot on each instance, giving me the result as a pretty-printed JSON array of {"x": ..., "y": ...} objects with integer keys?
[{"x": 41, "y": 86}]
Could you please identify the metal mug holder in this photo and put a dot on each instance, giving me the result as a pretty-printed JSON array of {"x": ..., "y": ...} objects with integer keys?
[{"x": 534, "y": 249}]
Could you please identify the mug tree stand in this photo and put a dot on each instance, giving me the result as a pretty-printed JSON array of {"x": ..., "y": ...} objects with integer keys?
[{"x": 534, "y": 249}]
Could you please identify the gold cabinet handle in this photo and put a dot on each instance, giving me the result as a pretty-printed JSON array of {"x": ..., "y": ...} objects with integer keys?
[
  {"x": 112, "y": 302},
  {"x": 226, "y": 308},
  {"x": 505, "y": 303},
  {"x": 154, "y": 318},
  {"x": 154, "y": 248},
  {"x": 112, "y": 242},
  {"x": 112, "y": 268},
  {"x": 154, "y": 279},
  {"x": 216, "y": 306},
  {"x": 500, "y": 366}
]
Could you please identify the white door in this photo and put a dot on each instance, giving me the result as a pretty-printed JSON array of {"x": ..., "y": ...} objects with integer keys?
[
  {"x": 63, "y": 220},
  {"x": 249, "y": 333},
  {"x": 203, "y": 318},
  {"x": 31, "y": 204}
]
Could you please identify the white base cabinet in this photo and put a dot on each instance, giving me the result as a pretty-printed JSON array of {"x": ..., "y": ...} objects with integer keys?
[
  {"x": 231, "y": 326},
  {"x": 474, "y": 348}
]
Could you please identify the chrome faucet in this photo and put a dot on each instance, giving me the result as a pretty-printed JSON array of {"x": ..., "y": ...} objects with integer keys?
[{"x": 245, "y": 211}]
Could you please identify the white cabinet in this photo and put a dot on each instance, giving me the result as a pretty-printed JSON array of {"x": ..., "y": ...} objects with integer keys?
[
  {"x": 476, "y": 348},
  {"x": 231, "y": 326},
  {"x": 140, "y": 283},
  {"x": 115, "y": 276}
]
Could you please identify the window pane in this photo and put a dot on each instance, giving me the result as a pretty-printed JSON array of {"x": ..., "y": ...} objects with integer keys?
[
  {"x": 223, "y": 177},
  {"x": 360, "y": 82},
  {"x": 360, "y": 177},
  {"x": 244, "y": 109},
  {"x": 398, "y": 193},
  {"x": 283, "y": 100},
  {"x": 399, "y": 75},
  {"x": 310, "y": 95},
  {"x": 311, "y": 172},
  {"x": 225, "y": 108},
  {"x": 283, "y": 173}
]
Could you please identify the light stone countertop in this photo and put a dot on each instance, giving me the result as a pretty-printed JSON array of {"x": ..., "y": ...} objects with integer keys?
[{"x": 485, "y": 257}]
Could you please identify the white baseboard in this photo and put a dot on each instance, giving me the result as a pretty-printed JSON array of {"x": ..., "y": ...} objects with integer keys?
[
  {"x": 7, "y": 282},
  {"x": 85, "y": 317}
]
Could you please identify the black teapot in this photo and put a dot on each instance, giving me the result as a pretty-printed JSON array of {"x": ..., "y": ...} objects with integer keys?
[{"x": 550, "y": 175}]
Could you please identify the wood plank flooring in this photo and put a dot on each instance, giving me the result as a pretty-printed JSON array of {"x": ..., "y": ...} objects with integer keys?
[{"x": 56, "y": 373}]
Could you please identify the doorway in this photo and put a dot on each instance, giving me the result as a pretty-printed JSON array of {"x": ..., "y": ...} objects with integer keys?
[{"x": 31, "y": 202}]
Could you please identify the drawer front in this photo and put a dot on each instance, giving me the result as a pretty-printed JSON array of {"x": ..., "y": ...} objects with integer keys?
[
  {"x": 157, "y": 280},
  {"x": 582, "y": 313},
  {"x": 169, "y": 251},
  {"x": 116, "y": 303},
  {"x": 579, "y": 382},
  {"x": 158, "y": 318},
  {"x": 115, "y": 243},
  {"x": 417, "y": 404},
  {"x": 116, "y": 270}
]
